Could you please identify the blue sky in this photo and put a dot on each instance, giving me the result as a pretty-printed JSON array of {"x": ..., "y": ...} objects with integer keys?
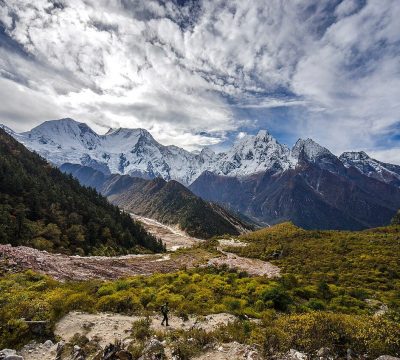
[{"x": 202, "y": 73}]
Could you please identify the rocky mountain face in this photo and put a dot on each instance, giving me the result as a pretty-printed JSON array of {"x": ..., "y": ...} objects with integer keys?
[
  {"x": 168, "y": 202},
  {"x": 381, "y": 171},
  {"x": 319, "y": 193},
  {"x": 257, "y": 176}
]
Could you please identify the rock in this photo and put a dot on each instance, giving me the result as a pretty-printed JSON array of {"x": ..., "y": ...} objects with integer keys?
[
  {"x": 48, "y": 344},
  {"x": 252, "y": 355},
  {"x": 59, "y": 350},
  {"x": 116, "y": 351},
  {"x": 77, "y": 353},
  {"x": 387, "y": 357},
  {"x": 154, "y": 350},
  {"x": 295, "y": 355},
  {"x": 324, "y": 353},
  {"x": 7, "y": 352}
]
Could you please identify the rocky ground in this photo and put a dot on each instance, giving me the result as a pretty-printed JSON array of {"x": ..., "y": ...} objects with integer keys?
[
  {"x": 105, "y": 328},
  {"x": 64, "y": 267}
]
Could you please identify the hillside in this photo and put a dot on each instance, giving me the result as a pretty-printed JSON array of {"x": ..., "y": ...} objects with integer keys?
[
  {"x": 352, "y": 266},
  {"x": 168, "y": 202},
  {"x": 338, "y": 291},
  {"x": 43, "y": 208},
  {"x": 320, "y": 193}
]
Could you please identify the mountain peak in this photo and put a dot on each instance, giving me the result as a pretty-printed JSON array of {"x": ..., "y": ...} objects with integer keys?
[
  {"x": 64, "y": 125},
  {"x": 308, "y": 148},
  {"x": 387, "y": 173},
  {"x": 127, "y": 133},
  {"x": 263, "y": 134}
]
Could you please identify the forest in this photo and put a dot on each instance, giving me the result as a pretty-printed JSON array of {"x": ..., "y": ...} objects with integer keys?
[{"x": 43, "y": 208}]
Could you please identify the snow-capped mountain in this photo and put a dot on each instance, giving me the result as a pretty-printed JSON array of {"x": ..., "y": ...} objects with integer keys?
[
  {"x": 258, "y": 177},
  {"x": 123, "y": 151},
  {"x": 384, "y": 172},
  {"x": 135, "y": 152}
]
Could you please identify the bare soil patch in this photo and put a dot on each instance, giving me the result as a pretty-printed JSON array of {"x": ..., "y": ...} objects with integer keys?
[
  {"x": 63, "y": 267},
  {"x": 251, "y": 266}
]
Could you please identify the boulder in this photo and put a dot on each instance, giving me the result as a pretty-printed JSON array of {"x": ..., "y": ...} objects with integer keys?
[
  {"x": 154, "y": 350},
  {"x": 77, "y": 353},
  {"x": 48, "y": 344},
  {"x": 7, "y": 352},
  {"x": 295, "y": 355},
  {"x": 387, "y": 357},
  {"x": 116, "y": 351}
]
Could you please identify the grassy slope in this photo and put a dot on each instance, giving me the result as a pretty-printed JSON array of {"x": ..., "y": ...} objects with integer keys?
[{"x": 358, "y": 264}]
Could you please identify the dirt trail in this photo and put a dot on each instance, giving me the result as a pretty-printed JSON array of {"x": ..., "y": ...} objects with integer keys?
[
  {"x": 106, "y": 327},
  {"x": 172, "y": 237}
]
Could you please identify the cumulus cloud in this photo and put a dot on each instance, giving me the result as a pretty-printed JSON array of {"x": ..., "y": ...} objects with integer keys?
[{"x": 193, "y": 74}]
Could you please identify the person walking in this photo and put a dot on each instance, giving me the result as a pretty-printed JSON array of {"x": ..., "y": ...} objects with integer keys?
[{"x": 164, "y": 312}]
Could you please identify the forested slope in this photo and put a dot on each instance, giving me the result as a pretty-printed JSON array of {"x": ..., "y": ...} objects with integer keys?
[{"x": 46, "y": 209}]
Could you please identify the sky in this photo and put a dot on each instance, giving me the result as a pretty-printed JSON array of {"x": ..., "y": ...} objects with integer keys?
[{"x": 204, "y": 73}]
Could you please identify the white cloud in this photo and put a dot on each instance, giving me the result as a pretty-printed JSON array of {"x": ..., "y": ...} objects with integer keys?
[
  {"x": 241, "y": 135},
  {"x": 391, "y": 156},
  {"x": 178, "y": 71}
]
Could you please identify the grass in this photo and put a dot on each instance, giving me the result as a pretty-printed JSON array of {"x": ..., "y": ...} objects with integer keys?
[{"x": 333, "y": 282}]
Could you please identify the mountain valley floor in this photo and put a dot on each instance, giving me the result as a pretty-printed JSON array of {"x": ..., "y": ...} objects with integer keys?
[{"x": 331, "y": 292}]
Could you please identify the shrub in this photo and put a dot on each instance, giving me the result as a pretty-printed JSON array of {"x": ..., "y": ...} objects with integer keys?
[
  {"x": 312, "y": 331},
  {"x": 141, "y": 329}
]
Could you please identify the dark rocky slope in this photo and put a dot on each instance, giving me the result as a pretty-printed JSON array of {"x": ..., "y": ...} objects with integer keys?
[{"x": 318, "y": 194}]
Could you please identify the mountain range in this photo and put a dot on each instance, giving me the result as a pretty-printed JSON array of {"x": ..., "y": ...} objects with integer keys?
[{"x": 258, "y": 177}]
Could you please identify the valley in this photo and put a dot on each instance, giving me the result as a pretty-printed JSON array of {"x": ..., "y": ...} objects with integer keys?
[
  {"x": 256, "y": 178},
  {"x": 199, "y": 180},
  {"x": 84, "y": 274},
  {"x": 82, "y": 268},
  {"x": 172, "y": 237}
]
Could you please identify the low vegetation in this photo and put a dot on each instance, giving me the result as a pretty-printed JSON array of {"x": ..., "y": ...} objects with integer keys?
[
  {"x": 338, "y": 290},
  {"x": 335, "y": 270},
  {"x": 290, "y": 314}
]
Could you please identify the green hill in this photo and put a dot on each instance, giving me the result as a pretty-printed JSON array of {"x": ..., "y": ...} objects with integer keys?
[
  {"x": 166, "y": 201},
  {"x": 352, "y": 266},
  {"x": 43, "y": 208}
]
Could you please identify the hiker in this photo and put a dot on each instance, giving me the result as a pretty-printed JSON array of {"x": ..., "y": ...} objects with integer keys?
[{"x": 164, "y": 312}]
